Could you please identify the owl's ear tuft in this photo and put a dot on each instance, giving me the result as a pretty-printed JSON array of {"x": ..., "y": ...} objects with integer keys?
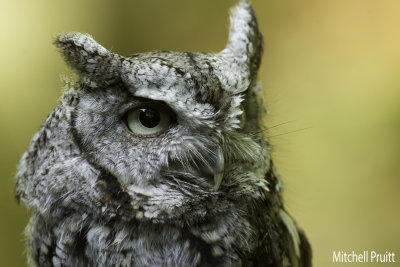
[
  {"x": 91, "y": 60},
  {"x": 242, "y": 55},
  {"x": 245, "y": 41}
]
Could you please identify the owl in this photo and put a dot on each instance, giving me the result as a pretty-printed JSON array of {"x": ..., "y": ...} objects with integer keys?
[{"x": 158, "y": 159}]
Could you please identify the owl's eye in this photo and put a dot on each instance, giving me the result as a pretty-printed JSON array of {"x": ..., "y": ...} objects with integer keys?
[{"x": 149, "y": 119}]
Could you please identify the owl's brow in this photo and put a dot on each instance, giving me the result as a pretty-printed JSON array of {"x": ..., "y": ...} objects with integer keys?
[{"x": 167, "y": 63}]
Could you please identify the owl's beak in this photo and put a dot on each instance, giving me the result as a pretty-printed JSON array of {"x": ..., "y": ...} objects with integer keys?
[
  {"x": 218, "y": 169},
  {"x": 213, "y": 168}
]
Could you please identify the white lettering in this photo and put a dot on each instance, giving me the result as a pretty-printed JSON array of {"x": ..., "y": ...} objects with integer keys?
[
  {"x": 365, "y": 256},
  {"x": 336, "y": 257}
]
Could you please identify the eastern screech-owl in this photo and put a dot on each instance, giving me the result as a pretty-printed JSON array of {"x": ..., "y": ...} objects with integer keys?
[{"x": 158, "y": 159}]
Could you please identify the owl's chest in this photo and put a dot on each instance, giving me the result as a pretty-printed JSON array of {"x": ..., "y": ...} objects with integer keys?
[{"x": 146, "y": 244}]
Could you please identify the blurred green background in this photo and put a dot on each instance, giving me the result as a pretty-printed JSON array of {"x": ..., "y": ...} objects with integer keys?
[{"x": 333, "y": 66}]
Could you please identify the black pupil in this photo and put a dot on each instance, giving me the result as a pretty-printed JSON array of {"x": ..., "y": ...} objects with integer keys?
[{"x": 150, "y": 118}]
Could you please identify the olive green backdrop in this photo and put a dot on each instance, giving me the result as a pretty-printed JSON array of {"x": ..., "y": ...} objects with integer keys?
[{"x": 333, "y": 66}]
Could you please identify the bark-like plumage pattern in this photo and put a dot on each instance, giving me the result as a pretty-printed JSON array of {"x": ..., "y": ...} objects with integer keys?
[{"x": 158, "y": 159}]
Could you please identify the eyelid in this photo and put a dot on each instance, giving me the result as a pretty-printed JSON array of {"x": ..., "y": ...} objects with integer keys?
[{"x": 138, "y": 102}]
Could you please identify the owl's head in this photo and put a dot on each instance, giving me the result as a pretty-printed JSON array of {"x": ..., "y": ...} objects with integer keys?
[{"x": 166, "y": 134}]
